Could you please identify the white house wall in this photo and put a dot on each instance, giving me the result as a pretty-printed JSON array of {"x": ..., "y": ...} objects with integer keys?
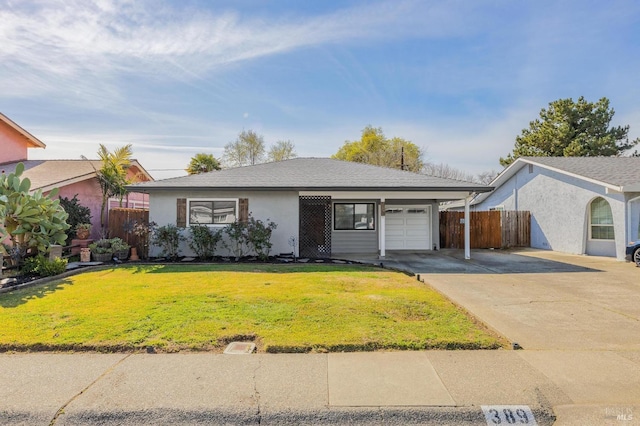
[
  {"x": 559, "y": 210},
  {"x": 280, "y": 207},
  {"x": 633, "y": 216}
]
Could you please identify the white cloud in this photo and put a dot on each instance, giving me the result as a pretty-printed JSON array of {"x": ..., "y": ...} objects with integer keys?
[{"x": 52, "y": 46}]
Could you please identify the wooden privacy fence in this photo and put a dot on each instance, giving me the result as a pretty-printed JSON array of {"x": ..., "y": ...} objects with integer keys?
[
  {"x": 121, "y": 222},
  {"x": 490, "y": 229}
]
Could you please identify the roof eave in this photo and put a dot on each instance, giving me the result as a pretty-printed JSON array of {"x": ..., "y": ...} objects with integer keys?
[
  {"x": 32, "y": 140},
  {"x": 145, "y": 188}
]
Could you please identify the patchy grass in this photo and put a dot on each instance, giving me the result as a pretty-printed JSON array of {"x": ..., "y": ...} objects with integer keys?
[{"x": 283, "y": 308}]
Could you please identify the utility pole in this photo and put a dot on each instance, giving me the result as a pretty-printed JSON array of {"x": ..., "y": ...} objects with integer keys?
[{"x": 402, "y": 158}]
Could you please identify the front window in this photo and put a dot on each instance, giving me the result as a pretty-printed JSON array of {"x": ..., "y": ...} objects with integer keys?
[
  {"x": 212, "y": 212},
  {"x": 354, "y": 216},
  {"x": 601, "y": 220}
]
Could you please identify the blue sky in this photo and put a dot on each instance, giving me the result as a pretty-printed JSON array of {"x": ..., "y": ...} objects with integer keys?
[{"x": 459, "y": 78}]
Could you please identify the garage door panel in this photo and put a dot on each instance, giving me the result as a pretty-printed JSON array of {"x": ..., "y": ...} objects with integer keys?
[{"x": 409, "y": 228}]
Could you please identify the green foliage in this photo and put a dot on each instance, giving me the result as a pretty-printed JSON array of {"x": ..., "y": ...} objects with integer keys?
[
  {"x": 374, "y": 148},
  {"x": 144, "y": 231},
  {"x": 118, "y": 244},
  {"x": 572, "y": 129},
  {"x": 203, "y": 240},
  {"x": 109, "y": 246},
  {"x": 202, "y": 163},
  {"x": 282, "y": 150},
  {"x": 32, "y": 221},
  {"x": 238, "y": 238},
  {"x": 247, "y": 149},
  {"x": 168, "y": 238},
  {"x": 78, "y": 214},
  {"x": 56, "y": 266},
  {"x": 112, "y": 175},
  {"x": 44, "y": 267},
  {"x": 102, "y": 246},
  {"x": 259, "y": 236}
]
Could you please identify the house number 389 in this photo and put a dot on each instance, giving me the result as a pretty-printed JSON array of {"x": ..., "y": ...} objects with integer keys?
[{"x": 508, "y": 415}]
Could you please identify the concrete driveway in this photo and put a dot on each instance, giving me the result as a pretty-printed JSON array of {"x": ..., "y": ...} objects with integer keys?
[{"x": 539, "y": 299}]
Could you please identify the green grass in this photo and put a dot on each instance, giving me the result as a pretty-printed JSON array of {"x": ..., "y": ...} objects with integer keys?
[{"x": 283, "y": 308}]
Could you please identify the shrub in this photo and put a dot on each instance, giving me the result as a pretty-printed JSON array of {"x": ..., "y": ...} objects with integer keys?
[
  {"x": 102, "y": 246},
  {"x": 78, "y": 214},
  {"x": 30, "y": 265},
  {"x": 143, "y": 231},
  {"x": 118, "y": 244},
  {"x": 259, "y": 236},
  {"x": 237, "y": 232},
  {"x": 53, "y": 267},
  {"x": 203, "y": 240},
  {"x": 168, "y": 238},
  {"x": 31, "y": 220},
  {"x": 44, "y": 267}
]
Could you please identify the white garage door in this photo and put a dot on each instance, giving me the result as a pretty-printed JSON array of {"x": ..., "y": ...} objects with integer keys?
[{"x": 408, "y": 227}]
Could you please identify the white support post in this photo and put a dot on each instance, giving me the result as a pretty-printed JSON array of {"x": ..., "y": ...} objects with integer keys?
[
  {"x": 467, "y": 230},
  {"x": 382, "y": 229}
]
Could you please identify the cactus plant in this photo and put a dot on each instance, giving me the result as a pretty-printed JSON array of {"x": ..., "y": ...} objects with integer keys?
[{"x": 31, "y": 220}]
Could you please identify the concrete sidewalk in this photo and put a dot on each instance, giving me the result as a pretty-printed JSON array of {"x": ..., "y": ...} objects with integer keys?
[{"x": 426, "y": 387}]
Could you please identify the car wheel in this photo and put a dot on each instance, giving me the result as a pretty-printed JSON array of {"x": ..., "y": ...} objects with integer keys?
[{"x": 636, "y": 256}]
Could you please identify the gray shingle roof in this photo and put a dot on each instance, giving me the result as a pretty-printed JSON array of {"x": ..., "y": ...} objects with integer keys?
[
  {"x": 618, "y": 171},
  {"x": 312, "y": 174}
]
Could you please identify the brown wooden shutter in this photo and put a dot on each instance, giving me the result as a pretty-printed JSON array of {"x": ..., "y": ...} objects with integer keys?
[
  {"x": 181, "y": 212},
  {"x": 243, "y": 214}
]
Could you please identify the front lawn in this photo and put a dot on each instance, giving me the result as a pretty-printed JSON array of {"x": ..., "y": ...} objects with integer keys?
[{"x": 283, "y": 308}]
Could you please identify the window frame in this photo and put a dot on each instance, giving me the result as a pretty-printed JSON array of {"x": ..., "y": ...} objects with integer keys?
[
  {"x": 601, "y": 225},
  {"x": 354, "y": 203},
  {"x": 213, "y": 200}
]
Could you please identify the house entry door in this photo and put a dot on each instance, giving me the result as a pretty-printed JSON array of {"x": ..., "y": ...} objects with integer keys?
[{"x": 315, "y": 226}]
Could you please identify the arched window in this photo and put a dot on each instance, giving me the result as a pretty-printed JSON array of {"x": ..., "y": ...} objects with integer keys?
[{"x": 601, "y": 220}]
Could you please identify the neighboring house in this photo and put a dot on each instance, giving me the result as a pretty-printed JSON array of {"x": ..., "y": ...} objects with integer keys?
[
  {"x": 71, "y": 177},
  {"x": 580, "y": 205},
  {"x": 329, "y": 206}
]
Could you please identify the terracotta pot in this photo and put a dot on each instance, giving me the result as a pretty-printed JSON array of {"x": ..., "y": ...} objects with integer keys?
[
  {"x": 83, "y": 234},
  {"x": 134, "y": 254}
]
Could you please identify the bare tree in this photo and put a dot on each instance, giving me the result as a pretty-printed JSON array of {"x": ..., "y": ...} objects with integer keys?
[
  {"x": 486, "y": 177},
  {"x": 247, "y": 149},
  {"x": 282, "y": 150},
  {"x": 446, "y": 171}
]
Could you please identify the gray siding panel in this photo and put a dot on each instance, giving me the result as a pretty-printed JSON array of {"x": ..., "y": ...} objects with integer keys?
[{"x": 354, "y": 241}]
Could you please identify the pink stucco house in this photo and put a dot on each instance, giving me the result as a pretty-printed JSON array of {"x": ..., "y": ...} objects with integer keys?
[{"x": 70, "y": 176}]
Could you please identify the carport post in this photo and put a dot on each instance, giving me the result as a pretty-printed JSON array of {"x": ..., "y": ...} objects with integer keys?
[
  {"x": 467, "y": 232},
  {"x": 382, "y": 229}
]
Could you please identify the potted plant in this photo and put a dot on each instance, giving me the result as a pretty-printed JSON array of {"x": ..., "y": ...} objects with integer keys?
[
  {"x": 101, "y": 250},
  {"x": 120, "y": 248},
  {"x": 83, "y": 230}
]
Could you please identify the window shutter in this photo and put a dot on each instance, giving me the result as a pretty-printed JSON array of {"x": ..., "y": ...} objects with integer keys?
[
  {"x": 181, "y": 213},
  {"x": 243, "y": 214}
]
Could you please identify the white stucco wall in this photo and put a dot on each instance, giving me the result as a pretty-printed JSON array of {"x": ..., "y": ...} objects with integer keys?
[
  {"x": 633, "y": 216},
  {"x": 280, "y": 207},
  {"x": 559, "y": 206}
]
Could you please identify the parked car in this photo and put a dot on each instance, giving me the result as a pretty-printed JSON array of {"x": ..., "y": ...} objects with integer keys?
[{"x": 633, "y": 252}]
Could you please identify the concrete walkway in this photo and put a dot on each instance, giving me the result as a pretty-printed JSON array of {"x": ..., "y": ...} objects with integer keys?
[{"x": 428, "y": 387}]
